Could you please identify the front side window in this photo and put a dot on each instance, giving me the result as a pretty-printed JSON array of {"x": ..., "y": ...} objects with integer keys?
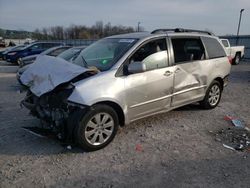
[
  {"x": 187, "y": 49},
  {"x": 213, "y": 47},
  {"x": 49, "y": 45},
  {"x": 225, "y": 43},
  {"x": 36, "y": 47},
  {"x": 153, "y": 54},
  {"x": 104, "y": 53}
]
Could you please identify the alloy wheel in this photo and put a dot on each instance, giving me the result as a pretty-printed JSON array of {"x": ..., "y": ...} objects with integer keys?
[
  {"x": 99, "y": 129},
  {"x": 214, "y": 95}
]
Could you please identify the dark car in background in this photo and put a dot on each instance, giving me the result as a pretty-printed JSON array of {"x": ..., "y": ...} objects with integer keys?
[
  {"x": 54, "y": 51},
  {"x": 4, "y": 51},
  {"x": 35, "y": 48}
]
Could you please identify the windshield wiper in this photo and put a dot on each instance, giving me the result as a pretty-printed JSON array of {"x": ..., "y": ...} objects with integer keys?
[
  {"x": 93, "y": 68},
  {"x": 85, "y": 64}
]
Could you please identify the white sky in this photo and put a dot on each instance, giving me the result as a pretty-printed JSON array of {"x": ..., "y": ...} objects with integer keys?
[{"x": 219, "y": 16}]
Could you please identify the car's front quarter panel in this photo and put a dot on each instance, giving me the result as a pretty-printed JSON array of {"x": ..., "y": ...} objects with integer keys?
[{"x": 101, "y": 87}]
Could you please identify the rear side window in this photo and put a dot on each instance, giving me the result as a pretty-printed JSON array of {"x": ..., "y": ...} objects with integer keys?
[
  {"x": 188, "y": 49},
  {"x": 213, "y": 47}
]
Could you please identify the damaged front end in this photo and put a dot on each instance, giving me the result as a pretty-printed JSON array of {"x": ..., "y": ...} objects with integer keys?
[
  {"x": 49, "y": 103},
  {"x": 53, "y": 109}
]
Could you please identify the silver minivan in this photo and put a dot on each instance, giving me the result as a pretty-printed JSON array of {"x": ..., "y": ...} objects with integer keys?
[{"x": 123, "y": 78}]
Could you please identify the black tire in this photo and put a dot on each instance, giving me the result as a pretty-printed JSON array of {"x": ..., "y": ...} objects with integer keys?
[
  {"x": 206, "y": 102},
  {"x": 18, "y": 61},
  {"x": 80, "y": 130},
  {"x": 237, "y": 58}
]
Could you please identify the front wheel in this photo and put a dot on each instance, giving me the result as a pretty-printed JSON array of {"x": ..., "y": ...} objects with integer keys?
[
  {"x": 97, "y": 128},
  {"x": 213, "y": 96}
]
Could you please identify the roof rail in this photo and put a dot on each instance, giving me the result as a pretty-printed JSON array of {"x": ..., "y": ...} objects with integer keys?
[{"x": 180, "y": 30}]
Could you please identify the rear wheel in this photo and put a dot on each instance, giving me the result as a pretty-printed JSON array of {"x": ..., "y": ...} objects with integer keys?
[
  {"x": 213, "y": 96},
  {"x": 97, "y": 127},
  {"x": 236, "y": 59}
]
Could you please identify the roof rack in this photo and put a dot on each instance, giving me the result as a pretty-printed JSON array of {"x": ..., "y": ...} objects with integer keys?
[{"x": 180, "y": 30}]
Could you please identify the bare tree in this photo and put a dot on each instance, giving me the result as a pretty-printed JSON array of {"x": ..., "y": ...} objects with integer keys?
[{"x": 98, "y": 30}]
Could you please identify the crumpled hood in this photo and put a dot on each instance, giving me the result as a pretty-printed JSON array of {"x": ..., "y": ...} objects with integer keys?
[{"x": 48, "y": 72}]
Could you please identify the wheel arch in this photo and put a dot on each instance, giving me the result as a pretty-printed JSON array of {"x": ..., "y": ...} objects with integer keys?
[
  {"x": 221, "y": 81},
  {"x": 118, "y": 110}
]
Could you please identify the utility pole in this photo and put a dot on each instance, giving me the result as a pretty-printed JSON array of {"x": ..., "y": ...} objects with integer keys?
[
  {"x": 138, "y": 26},
  {"x": 237, "y": 38}
]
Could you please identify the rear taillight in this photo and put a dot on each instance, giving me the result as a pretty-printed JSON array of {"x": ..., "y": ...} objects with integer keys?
[{"x": 230, "y": 60}]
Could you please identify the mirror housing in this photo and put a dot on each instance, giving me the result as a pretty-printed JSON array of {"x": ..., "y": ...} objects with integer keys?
[{"x": 136, "y": 67}]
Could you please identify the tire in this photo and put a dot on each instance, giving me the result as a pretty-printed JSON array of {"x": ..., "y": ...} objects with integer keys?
[
  {"x": 237, "y": 58},
  {"x": 213, "y": 96},
  {"x": 18, "y": 61},
  {"x": 91, "y": 135}
]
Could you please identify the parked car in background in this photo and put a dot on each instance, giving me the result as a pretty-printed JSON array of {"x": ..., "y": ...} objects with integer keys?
[
  {"x": 72, "y": 53},
  {"x": 54, "y": 51},
  {"x": 35, "y": 48},
  {"x": 8, "y": 49},
  {"x": 4, "y": 50},
  {"x": 2, "y": 42},
  {"x": 136, "y": 75},
  {"x": 235, "y": 52}
]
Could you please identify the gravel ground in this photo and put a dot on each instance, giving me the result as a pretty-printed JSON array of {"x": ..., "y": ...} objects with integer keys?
[{"x": 175, "y": 149}]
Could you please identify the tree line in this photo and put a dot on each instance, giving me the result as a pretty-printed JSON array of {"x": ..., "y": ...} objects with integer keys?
[{"x": 98, "y": 30}]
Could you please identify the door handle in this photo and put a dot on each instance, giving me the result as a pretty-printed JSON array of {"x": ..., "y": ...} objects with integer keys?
[
  {"x": 168, "y": 73},
  {"x": 177, "y": 70}
]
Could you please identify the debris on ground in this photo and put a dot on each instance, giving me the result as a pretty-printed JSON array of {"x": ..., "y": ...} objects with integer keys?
[
  {"x": 138, "y": 147},
  {"x": 228, "y": 118},
  {"x": 228, "y": 147},
  {"x": 234, "y": 138},
  {"x": 238, "y": 123}
]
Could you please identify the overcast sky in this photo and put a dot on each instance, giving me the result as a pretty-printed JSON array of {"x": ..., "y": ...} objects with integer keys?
[{"x": 219, "y": 16}]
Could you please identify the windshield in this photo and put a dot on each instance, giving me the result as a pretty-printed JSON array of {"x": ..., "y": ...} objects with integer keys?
[
  {"x": 70, "y": 53},
  {"x": 49, "y": 51},
  {"x": 29, "y": 45},
  {"x": 55, "y": 51},
  {"x": 104, "y": 53},
  {"x": 19, "y": 47}
]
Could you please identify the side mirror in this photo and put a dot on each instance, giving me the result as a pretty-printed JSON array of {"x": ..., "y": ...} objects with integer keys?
[{"x": 136, "y": 67}]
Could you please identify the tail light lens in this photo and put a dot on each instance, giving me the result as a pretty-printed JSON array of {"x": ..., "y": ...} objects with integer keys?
[{"x": 230, "y": 60}]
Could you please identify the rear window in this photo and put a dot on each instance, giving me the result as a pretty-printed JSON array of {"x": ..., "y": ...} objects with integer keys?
[{"x": 213, "y": 47}]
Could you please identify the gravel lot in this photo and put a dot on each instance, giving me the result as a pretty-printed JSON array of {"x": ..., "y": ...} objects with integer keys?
[{"x": 176, "y": 148}]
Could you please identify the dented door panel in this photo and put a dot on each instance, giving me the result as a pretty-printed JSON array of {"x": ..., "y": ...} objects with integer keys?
[{"x": 190, "y": 80}]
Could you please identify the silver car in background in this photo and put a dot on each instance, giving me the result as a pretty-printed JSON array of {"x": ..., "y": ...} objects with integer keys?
[{"x": 123, "y": 78}]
